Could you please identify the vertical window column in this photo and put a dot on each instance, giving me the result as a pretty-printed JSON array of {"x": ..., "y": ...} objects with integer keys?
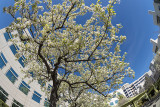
[
  {"x": 46, "y": 103},
  {"x": 3, "y": 61},
  {"x": 3, "y": 94}
]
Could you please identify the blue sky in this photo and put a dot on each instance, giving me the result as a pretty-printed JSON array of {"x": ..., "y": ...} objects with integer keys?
[{"x": 137, "y": 26}]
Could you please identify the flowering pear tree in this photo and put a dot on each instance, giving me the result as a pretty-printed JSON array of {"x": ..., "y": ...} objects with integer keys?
[{"x": 83, "y": 62}]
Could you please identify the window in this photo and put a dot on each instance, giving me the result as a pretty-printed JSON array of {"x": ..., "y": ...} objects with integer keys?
[
  {"x": 12, "y": 75},
  {"x": 32, "y": 74},
  {"x": 14, "y": 49},
  {"x": 7, "y": 36},
  {"x": 49, "y": 87},
  {"x": 3, "y": 60},
  {"x": 41, "y": 83},
  {"x": 158, "y": 19},
  {"x": 24, "y": 87},
  {"x": 111, "y": 103},
  {"x": 156, "y": 49},
  {"x": 116, "y": 101},
  {"x": 154, "y": 105},
  {"x": 36, "y": 97},
  {"x": 46, "y": 103},
  {"x": 3, "y": 94},
  {"x": 114, "y": 96},
  {"x": 16, "y": 104},
  {"x": 21, "y": 60}
]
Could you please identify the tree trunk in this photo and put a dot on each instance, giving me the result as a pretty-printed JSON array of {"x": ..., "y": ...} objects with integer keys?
[
  {"x": 54, "y": 93},
  {"x": 53, "y": 98}
]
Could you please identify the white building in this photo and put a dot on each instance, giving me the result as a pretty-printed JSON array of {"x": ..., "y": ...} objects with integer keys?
[
  {"x": 131, "y": 90},
  {"x": 13, "y": 89},
  {"x": 114, "y": 100},
  {"x": 156, "y": 13},
  {"x": 152, "y": 67},
  {"x": 156, "y": 43}
]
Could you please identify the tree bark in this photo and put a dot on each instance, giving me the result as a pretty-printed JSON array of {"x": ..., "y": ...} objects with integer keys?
[
  {"x": 53, "y": 98},
  {"x": 54, "y": 93}
]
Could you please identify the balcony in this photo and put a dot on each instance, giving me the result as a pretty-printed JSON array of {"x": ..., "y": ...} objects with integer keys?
[{"x": 157, "y": 1}]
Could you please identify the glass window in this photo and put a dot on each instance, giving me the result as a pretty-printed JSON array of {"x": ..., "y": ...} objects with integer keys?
[
  {"x": 21, "y": 61},
  {"x": 36, "y": 97},
  {"x": 3, "y": 94},
  {"x": 159, "y": 7},
  {"x": 7, "y": 36},
  {"x": 49, "y": 87},
  {"x": 14, "y": 49},
  {"x": 46, "y": 103},
  {"x": 32, "y": 74},
  {"x": 24, "y": 87},
  {"x": 111, "y": 103},
  {"x": 116, "y": 101},
  {"x": 3, "y": 60},
  {"x": 154, "y": 105},
  {"x": 114, "y": 96},
  {"x": 41, "y": 83},
  {"x": 16, "y": 104},
  {"x": 158, "y": 19},
  {"x": 12, "y": 75}
]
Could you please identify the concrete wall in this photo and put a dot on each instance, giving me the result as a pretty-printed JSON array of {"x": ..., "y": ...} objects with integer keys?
[{"x": 13, "y": 89}]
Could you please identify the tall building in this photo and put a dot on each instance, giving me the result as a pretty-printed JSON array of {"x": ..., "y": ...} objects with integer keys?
[
  {"x": 134, "y": 88},
  {"x": 14, "y": 90},
  {"x": 156, "y": 43},
  {"x": 156, "y": 13},
  {"x": 152, "y": 67}
]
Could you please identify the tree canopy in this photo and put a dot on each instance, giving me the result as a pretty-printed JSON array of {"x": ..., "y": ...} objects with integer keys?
[{"x": 83, "y": 62}]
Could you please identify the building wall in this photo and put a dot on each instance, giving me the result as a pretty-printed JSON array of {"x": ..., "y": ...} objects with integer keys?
[
  {"x": 131, "y": 90},
  {"x": 156, "y": 13},
  {"x": 13, "y": 88}
]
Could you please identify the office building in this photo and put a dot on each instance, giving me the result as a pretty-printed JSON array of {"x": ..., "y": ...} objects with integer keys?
[
  {"x": 133, "y": 89},
  {"x": 14, "y": 90},
  {"x": 156, "y": 13}
]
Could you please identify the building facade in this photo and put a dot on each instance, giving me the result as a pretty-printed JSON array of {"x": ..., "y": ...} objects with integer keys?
[
  {"x": 156, "y": 13},
  {"x": 133, "y": 89},
  {"x": 14, "y": 90}
]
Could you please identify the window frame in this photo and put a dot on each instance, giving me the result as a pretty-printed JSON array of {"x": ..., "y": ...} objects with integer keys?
[
  {"x": 9, "y": 34},
  {"x": 4, "y": 93},
  {"x": 46, "y": 103},
  {"x": 16, "y": 47},
  {"x": 37, "y": 95},
  {"x": 26, "y": 86},
  {"x": 22, "y": 62},
  {"x": 13, "y": 73},
  {"x": 3, "y": 59},
  {"x": 17, "y": 104}
]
